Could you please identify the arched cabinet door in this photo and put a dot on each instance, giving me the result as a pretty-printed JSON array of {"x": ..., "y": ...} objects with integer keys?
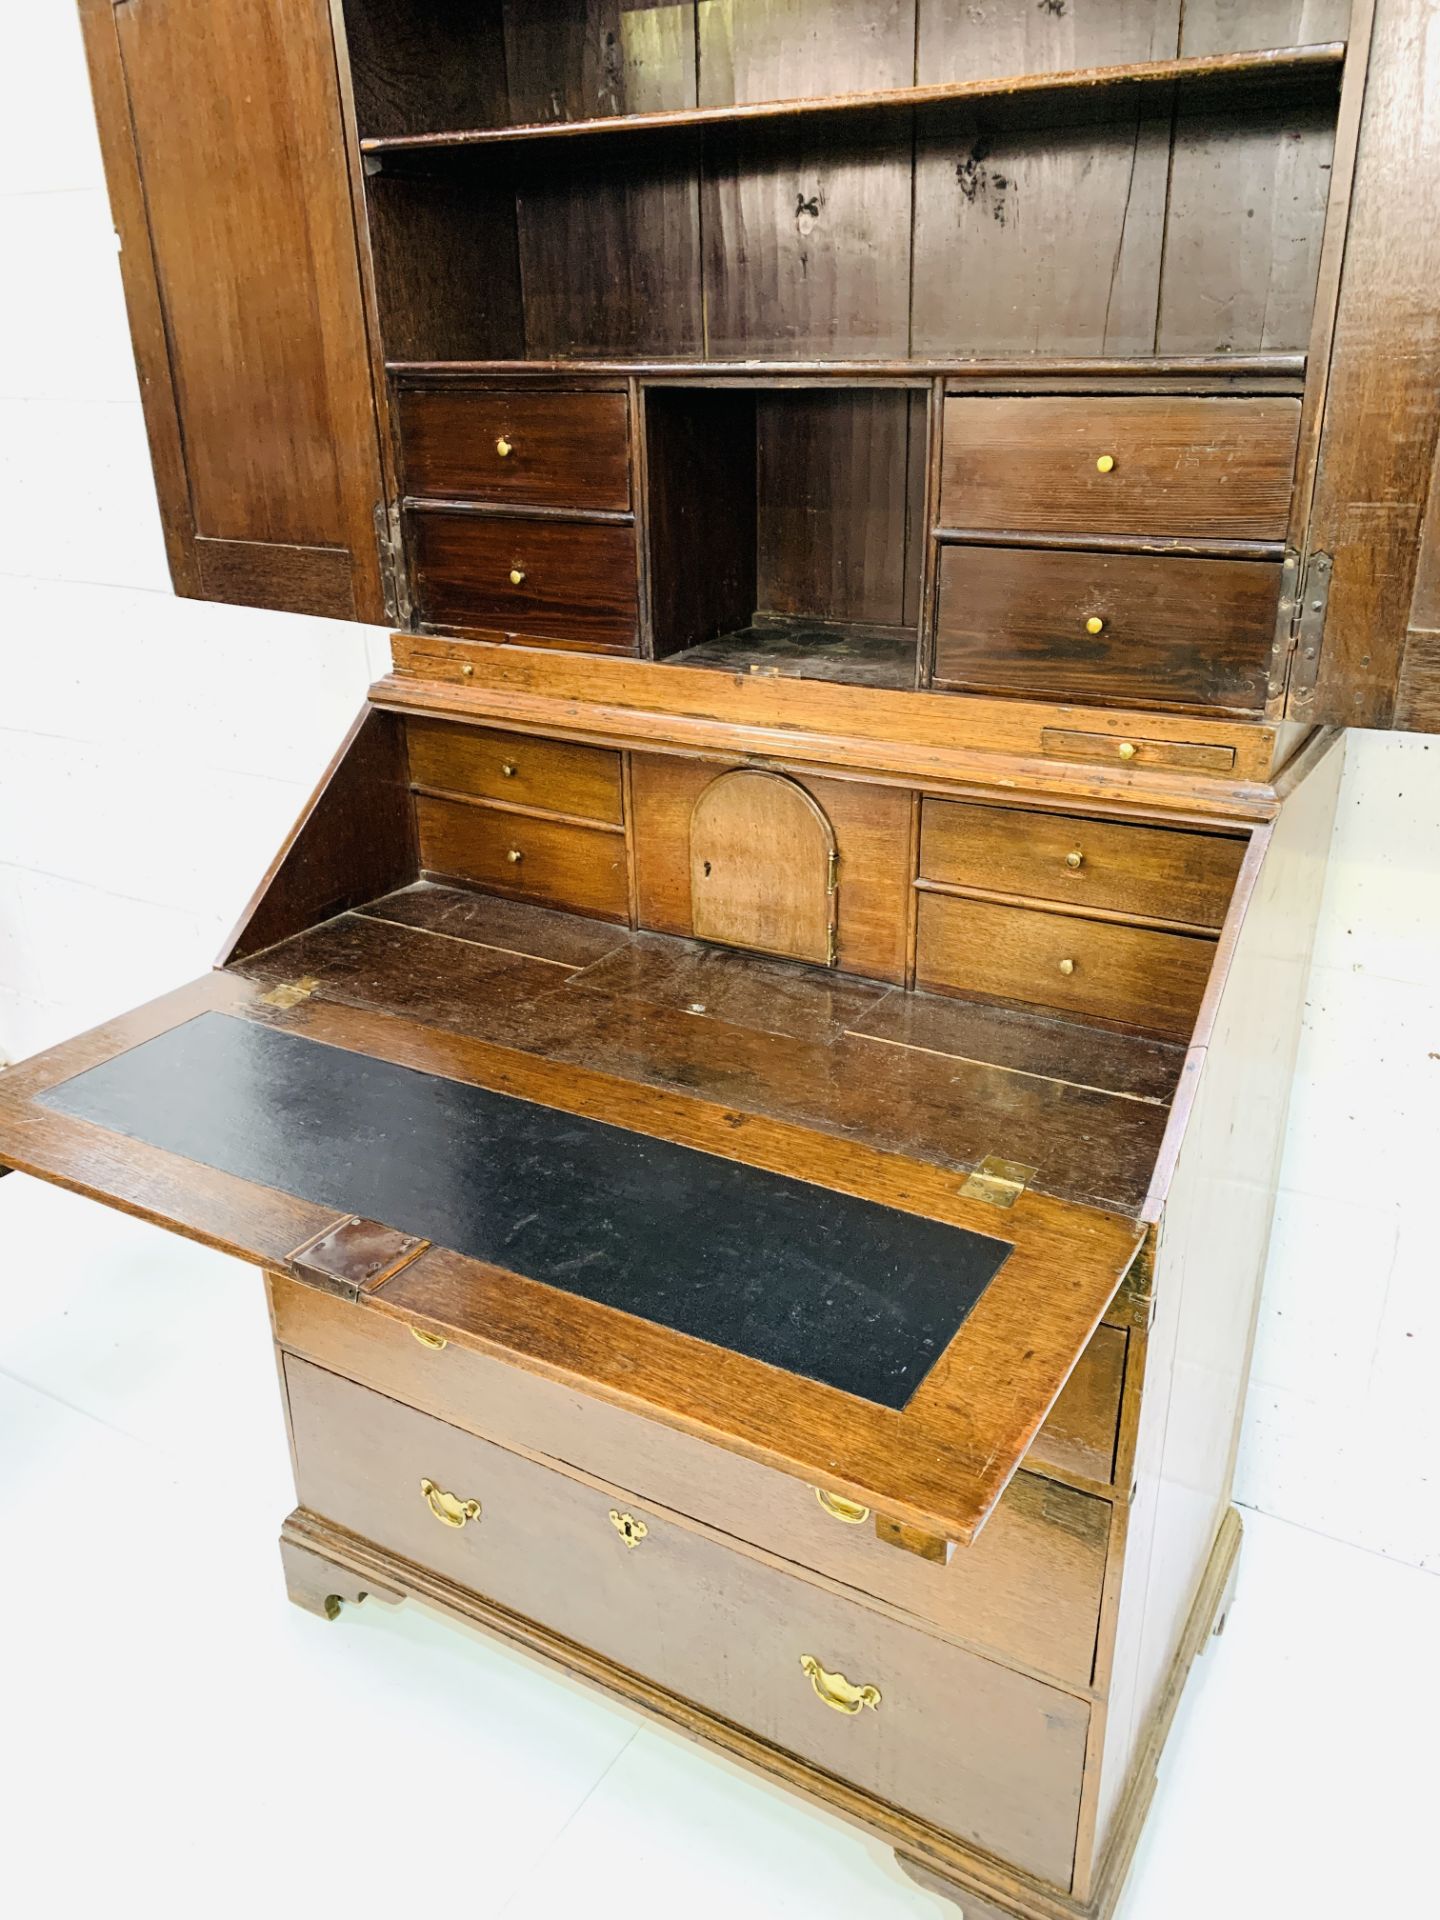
[{"x": 764, "y": 867}]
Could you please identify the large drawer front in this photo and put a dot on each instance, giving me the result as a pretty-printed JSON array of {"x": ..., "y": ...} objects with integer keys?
[
  {"x": 1171, "y": 631},
  {"x": 1163, "y": 466},
  {"x": 516, "y": 769},
  {"x": 1029, "y": 1586},
  {"x": 1154, "y": 873},
  {"x": 542, "y": 580},
  {"x": 518, "y": 448},
  {"x": 1093, "y": 968},
  {"x": 989, "y": 1755},
  {"x": 525, "y": 856}
]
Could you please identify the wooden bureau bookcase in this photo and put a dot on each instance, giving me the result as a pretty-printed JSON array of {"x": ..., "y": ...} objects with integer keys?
[{"x": 756, "y": 1082}]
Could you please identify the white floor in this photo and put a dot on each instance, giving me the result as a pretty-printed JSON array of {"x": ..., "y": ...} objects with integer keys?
[{"x": 177, "y": 1740}]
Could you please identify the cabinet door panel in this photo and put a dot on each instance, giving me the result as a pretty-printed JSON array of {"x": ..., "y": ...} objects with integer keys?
[{"x": 228, "y": 177}]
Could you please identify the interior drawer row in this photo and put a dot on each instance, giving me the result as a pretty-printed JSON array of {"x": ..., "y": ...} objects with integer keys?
[{"x": 988, "y": 1754}]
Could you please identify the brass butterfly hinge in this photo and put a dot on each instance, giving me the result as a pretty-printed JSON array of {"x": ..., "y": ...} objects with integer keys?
[
  {"x": 290, "y": 992},
  {"x": 999, "y": 1183}
]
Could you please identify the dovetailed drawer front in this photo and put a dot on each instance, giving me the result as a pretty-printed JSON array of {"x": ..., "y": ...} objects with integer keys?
[
  {"x": 1029, "y": 1587},
  {"x": 1189, "y": 468},
  {"x": 516, "y": 768},
  {"x": 523, "y": 449},
  {"x": 550, "y": 581},
  {"x": 1152, "y": 872},
  {"x": 525, "y": 856},
  {"x": 1109, "y": 628},
  {"x": 1133, "y": 975},
  {"x": 988, "y": 1754}
]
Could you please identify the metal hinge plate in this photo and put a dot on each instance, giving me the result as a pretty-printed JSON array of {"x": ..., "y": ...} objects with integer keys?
[
  {"x": 1312, "y": 603},
  {"x": 392, "y": 564},
  {"x": 999, "y": 1183}
]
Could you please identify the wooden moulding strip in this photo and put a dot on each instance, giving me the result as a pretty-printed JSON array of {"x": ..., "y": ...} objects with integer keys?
[{"x": 946, "y": 742}]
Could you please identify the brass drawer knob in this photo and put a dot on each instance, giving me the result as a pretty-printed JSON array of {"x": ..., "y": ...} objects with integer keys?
[
  {"x": 448, "y": 1508},
  {"x": 1067, "y": 967},
  {"x": 1126, "y": 750},
  {"x": 509, "y": 769},
  {"x": 630, "y": 1530},
  {"x": 1075, "y": 860},
  {"x": 850, "y": 1511},
  {"x": 835, "y": 1690},
  {"x": 1094, "y": 624},
  {"x": 514, "y": 856},
  {"x": 1106, "y": 463},
  {"x": 517, "y": 576},
  {"x": 504, "y": 448},
  {"x": 435, "y": 1341}
]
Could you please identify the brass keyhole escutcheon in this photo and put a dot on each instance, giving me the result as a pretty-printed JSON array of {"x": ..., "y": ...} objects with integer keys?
[
  {"x": 1075, "y": 860},
  {"x": 435, "y": 1341},
  {"x": 1126, "y": 750},
  {"x": 514, "y": 856},
  {"x": 848, "y": 1511},
  {"x": 448, "y": 1508},
  {"x": 835, "y": 1690},
  {"x": 517, "y": 576},
  {"x": 1094, "y": 624},
  {"x": 1106, "y": 463},
  {"x": 630, "y": 1530},
  {"x": 1067, "y": 967},
  {"x": 504, "y": 448}
]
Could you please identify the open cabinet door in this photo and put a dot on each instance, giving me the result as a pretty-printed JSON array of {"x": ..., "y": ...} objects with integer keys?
[
  {"x": 1372, "y": 657},
  {"x": 840, "y": 1313},
  {"x": 225, "y": 158}
]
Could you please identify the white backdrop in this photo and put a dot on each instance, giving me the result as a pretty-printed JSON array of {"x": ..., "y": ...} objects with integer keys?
[{"x": 153, "y": 753}]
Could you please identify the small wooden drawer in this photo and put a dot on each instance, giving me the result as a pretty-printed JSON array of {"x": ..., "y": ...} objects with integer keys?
[
  {"x": 548, "y": 581},
  {"x": 1135, "y": 750},
  {"x": 992, "y": 1756},
  {"x": 1042, "y": 1539},
  {"x": 1217, "y": 468},
  {"x": 1155, "y": 873},
  {"x": 517, "y": 768},
  {"x": 1133, "y": 975},
  {"x": 1109, "y": 628},
  {"x": 521, "y": 448},
  {"x": 525, "y": 856}
]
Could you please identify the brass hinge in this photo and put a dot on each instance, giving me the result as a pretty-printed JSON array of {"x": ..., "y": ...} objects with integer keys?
[
  {"x": 290, "y": 993},
  {"x": 999, "y": 1183},
  {"x": 832, "y": 878},
  {"x": 1312, "y": 603},
  {"x": 392, "y": 564}
]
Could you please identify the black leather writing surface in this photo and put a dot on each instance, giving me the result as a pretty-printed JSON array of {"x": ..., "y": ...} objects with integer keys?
[{"x": 821, "y": 1284}]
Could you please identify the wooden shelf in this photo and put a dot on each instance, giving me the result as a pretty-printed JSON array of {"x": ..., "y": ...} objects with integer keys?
[
  {"x": 1258, "y": 65},
  {"x": 1288, "y": 366}
]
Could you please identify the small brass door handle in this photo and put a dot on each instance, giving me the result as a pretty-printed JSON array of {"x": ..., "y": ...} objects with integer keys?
[
  {"x": 514, "y": 856},
  {"x": 1106, "y": 463},
  {"x": 447, "y": 1508},
  {"x": 509, "y": 769},
  {"x": 1126, "y": 750},
  {"x": 630, "y": 1530},
  {"x": 850, "y": 1511},
  {"x": 1075, "y": 860},
  {"x": 504, "y": 448},
  {"x": 1094, "y": 624},
  {"x": 517, "y": 576},
  {"x": 1067, "y": 967},
  {"x": 835, "y": 1690},
  {"x": 435, "y": 1341}
]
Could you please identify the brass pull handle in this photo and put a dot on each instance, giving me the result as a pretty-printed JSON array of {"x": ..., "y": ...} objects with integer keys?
[
  {"x": 1067, "y": 967},
  {"x": 1075, "y": 860},
  {"x": 850, "y": 1511},
  {"x": 509, "y": 769},
  {"x": 835, "y": 1690},
  {"x": 630, "y": 1530},
  {"x": 435, "y": 1341},
  {"x": 1094, "y": 624},
  {"x": 1126, "y": 750},
  {"x": 514, "y": 856},
  {"x": 517, "y": 576},
  {"x": 1106, "y": 463},
  {"x": 447, "y": 1509},
  {"x": 504, "y": 448}
]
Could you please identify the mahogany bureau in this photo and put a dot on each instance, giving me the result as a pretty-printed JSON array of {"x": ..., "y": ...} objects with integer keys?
[{"x": 756, "y": 1081}]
